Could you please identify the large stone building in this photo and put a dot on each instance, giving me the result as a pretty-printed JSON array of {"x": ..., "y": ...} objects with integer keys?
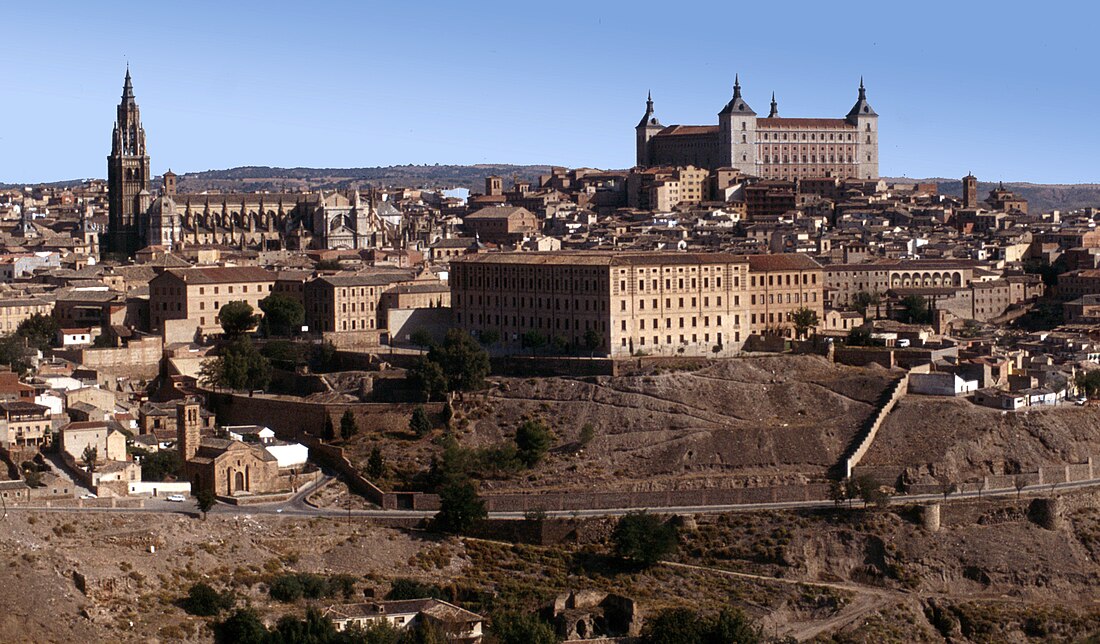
[
  {"x": 662, "y": 303},
  {"x": 137, "y": 218},
  {"x": 184, "y": 302},
  {"x": 771, "y": 147}
]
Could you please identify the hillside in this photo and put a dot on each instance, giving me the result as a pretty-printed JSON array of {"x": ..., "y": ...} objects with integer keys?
[
  {"x": 1041, "y": 197},
  {"x": 753, "y": 421}
]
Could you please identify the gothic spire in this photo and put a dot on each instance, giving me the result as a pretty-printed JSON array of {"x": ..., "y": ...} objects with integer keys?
[
  {"x": 737, "y": 105},
  {"x": 775, "y": 108},
  {"x": 127, "y": 86},
  {"x": 862, "y": 107}
]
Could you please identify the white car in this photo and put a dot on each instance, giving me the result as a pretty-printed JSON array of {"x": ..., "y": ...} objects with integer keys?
[
  {"x": 89, "y": 495},
  {"x": 175, "y": 498}
]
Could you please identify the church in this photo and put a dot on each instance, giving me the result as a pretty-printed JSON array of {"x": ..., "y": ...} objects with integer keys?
[
  {"x": 265, "y": 221},
  {"x": 771, "y": 147}
]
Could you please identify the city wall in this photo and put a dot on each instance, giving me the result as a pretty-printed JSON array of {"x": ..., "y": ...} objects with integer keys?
[{"x": 140, "y": 359}]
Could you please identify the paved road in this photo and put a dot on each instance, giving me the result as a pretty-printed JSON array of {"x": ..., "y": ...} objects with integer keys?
[{"x": 297, "y": 506}]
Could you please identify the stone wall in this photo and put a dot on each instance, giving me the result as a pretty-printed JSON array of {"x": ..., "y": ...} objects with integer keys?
[{"x": 140, "y": 359}]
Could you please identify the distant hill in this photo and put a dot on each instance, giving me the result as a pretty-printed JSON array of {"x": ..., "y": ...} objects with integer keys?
[
  {"x": 253, "y": 178},
  {"x": 1041, "y": 197}
]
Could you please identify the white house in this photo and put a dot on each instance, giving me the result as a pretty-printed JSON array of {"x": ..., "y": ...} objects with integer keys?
[
  {"x": 251, "y": 433},
  {"x": 940, "y": 383},
  {"x": 998, "y": 399},
  {"x": 460, "y": 624},
  {"x": 288, "y": 454},
  {"x": 76, "y": 337}
]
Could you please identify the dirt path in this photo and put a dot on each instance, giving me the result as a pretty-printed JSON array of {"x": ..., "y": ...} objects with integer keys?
[{"x": 867, "y": 600}]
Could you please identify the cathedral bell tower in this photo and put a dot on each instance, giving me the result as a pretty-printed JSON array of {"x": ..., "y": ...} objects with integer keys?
[{"x": 127, "y": 175}]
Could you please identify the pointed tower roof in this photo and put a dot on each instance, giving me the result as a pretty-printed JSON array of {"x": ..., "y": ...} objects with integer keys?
[
  {"x": 127, "y": 86},
  {"x": 775, "y": 108},
  {"x": 862, "y": 107},
  {"x": 648, "y": 120},
  {"x": 737, "y": 105}
]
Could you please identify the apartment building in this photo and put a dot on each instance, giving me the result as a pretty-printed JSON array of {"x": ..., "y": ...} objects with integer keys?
[
  {"x": 348, "y": 303},
  {"x": 185, "y": 302},
  {"x": 660, "y": 303},
  {"x": 780, "y": 285},
  {"x": 24, "y": 424},
  {"x": 15, "y": 310}
]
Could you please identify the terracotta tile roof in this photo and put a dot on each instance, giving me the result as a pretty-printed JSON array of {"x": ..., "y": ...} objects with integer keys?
[
  {"x": 782, "y": 262},
  {"x": 222, "y": 274},
  {"x": 683, "y": 130},
  {"x": 784, "y": 123}
]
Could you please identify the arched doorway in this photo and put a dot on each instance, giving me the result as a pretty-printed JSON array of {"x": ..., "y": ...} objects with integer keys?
[{"x": 238, "y": 482}]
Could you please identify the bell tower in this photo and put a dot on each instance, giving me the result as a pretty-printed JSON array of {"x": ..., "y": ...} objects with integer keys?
[{"x": 127, "y": 174}]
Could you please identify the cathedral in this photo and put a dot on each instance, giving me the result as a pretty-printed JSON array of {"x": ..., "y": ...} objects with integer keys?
[
  {"x": 266, "y": 221},
  {"x": 771, "y": 147}
]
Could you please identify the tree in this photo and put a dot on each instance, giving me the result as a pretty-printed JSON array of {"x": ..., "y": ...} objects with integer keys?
[
  {"x": 675, "y": 626},
  {"x": 1019, "y": 482},
  {"x": 463, "y": 361},
  {"x": 242, "y": 627},
  {"x": 205, "y": 501},
  {"x": 864, "y": 300},
  {"x": 237, "y": 318},
  {"x": 329, "y": 432},
  {"x": 160, "y": 465},
  {"x": 559, "y": 345},
  {"x": 871, "y": 492},
  {"x": 644, "y": 538},
  {"x": 804, "y": 319},
  {"x": 204, "y": 601},
  {"x": 283, "y": 315},
  {"x": 419, "y": 423},
  {"x": 732, "y": 626},
  {"x": 460, "y": 507},
  {"x": 14, "y": 353},
  {"x": 1088, "y": 383},
  {"x": 427, "y": 379},
  {"x": 488, "y": 337},
  {"x": 240, "y": 366},
  {"x": 532, "y": 441},
  {"x": 522, "y": 628},
  {"x": 89, "y": 457},
  {"x": 348, "y": 427},
  {"x": 40, "y": 331},
  {"x": 405, "y": 588},
  {"x": 376, "y": 464},
  {"x": 424, "y": 632},
  {"x": 533, "y": 340},
  {"x": 286, "y": 588},
  {"x": 859, "y": 336},
  {"x": 421, "y": 338},
  {"x": 837, "y": 492},
  {"x": 916, "y": 309},
  {"x": 947, "y": 486},
  {"x": 592, "y": 340}
]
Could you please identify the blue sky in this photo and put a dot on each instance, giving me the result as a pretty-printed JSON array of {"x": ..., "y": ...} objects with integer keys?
[{"x": 1005, "y": 90}]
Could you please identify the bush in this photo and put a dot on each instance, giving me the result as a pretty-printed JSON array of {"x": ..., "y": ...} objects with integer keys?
[
  {"x": 460, "y": 507},
  {"x": 404, "y": 588},
  {"x": 242, "y": 627},
  {"x": 204, "y": 601},
  {"x": 644, "y": 538},
  {"x": 419, "y": 423},
  {"x": 532, "y": 441},
  {"x": 286, "y": 588},
  {"x": 158, "y": 466},
  {"x": 685, "y": 626},
  {"x": 522, "y": 628}
]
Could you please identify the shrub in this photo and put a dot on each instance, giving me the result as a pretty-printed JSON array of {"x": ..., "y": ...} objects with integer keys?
[
  {"x": 644, "y": 538},
  {"x": 532, "y": 441},
  {"x": 404, "y": 588},
  {"x": 204, "y": 601}
]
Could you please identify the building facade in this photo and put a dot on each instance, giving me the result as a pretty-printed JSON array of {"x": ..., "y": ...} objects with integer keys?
[
  {"x": 185, "y": 302},
  {"x": 771, "y": 147},
  {"x": 659, "y": 303}
]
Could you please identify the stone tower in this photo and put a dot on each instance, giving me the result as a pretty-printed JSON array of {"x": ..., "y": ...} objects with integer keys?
[
  {"x": 647, "y": 128},
  {"x": 970, "y": 191},
  {"x": 188, "y": 428},
  {"x": 127, "y": 175},
  {"x": 737, "y": 133},
  {"x": 863, "y": 116},
  {"x": 494, "y": 186}
]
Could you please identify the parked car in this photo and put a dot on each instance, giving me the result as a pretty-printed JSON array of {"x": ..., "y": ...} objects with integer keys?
[
  {"x": 175, "y": 498},
  {"x": 89, "y": 495}
]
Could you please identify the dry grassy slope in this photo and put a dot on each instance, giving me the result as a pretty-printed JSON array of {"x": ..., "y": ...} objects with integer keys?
[
  {"x": 962, "y": 439},
  {"x": 767, "y": 419}
]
